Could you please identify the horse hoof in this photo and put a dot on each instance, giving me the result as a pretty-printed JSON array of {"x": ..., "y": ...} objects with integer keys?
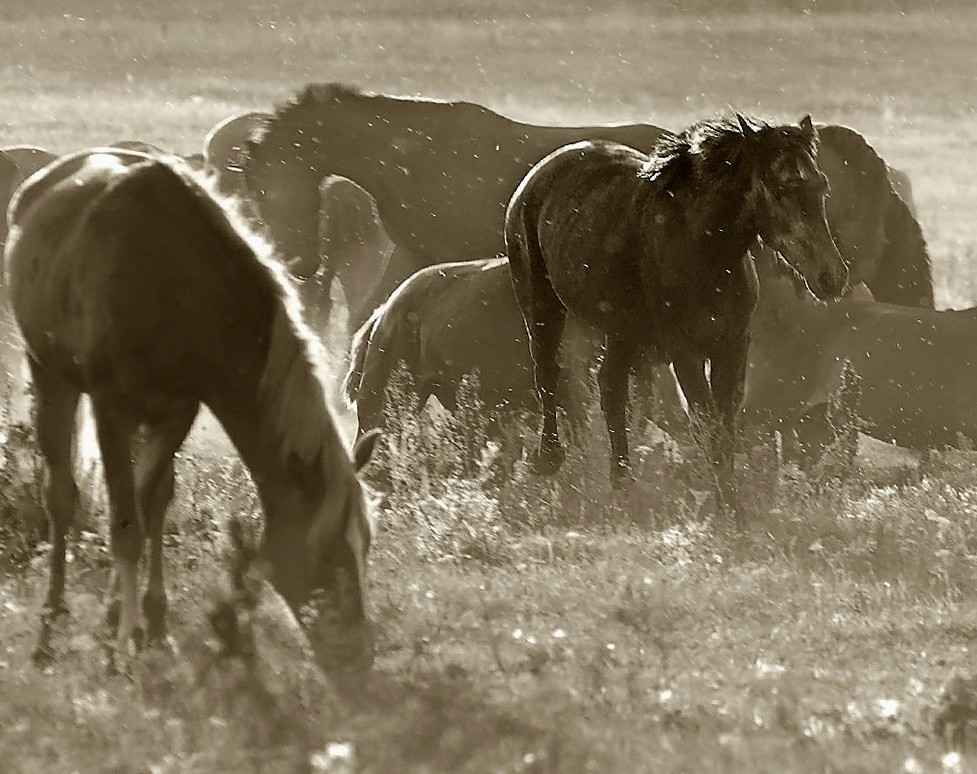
[
  {"x": 112, "y": 614},
  {"x": 156, "y": 639},
  {"x": 621, "y": 479},
  {"x": 43, "y": 656},
  {"x": 545, "y": 462}
]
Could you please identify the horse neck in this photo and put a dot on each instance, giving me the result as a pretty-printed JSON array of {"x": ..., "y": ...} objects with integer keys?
[
  {"x": 716, "y": 235},
  {"x": 277, "y": 419},
  {"x": 782, "y": 310}
]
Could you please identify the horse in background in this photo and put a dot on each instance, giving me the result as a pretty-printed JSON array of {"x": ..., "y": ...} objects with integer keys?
[
  {"x": 902, "y": 185},
  {"x": 448, "y": 321},
  {"x": 132, "y": 284},
  {"x": 442, "y": 174},
  {"x": 356, "y": 251},
  {"x": 352, "y": 243},
  {"x": 916, "y": 366},
  {"x": 652, "y": 251},
  {"x": 28, "y": 158},
  {"x": 225, "y": 149}
]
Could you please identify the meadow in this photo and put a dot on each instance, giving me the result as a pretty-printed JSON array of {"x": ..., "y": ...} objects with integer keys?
[{"x": 530, "y": 626}]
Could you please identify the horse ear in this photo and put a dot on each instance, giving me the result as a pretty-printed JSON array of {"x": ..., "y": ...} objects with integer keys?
[
  {"x": 748, "y": 131},
  {"x": 806, "y": 124},
  {"x": 364, "y": 447}
]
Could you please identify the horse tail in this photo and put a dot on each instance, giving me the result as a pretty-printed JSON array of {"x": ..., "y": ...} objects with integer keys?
[
  {"x": 359, "y": 349},
  {"x": 904, "y": 250}
]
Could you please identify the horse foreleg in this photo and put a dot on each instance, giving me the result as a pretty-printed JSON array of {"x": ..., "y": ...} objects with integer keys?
[
  {"x": 728, "y": 379},
  {"x": 127, "y": 532},
  {"x": 703, "y": 413},
  {"x": 154, "y": 487},
  {"x": 57, "y": 403},
  {"x": 612, "y": 381}
]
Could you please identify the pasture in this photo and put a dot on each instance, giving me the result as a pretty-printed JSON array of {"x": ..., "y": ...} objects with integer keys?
[{"x": 541, "y": 625}]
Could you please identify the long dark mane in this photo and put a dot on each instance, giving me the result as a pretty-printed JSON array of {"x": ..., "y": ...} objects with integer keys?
[
  {"x": 903, "y": 273},
  {"x": 316, "y": 96},
  {"x": 905, "y": 257},
  {"x": 716, "y": 160}
]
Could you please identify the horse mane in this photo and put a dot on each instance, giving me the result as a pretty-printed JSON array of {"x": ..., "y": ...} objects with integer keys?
[
  {"x": 289, "y": 387},
  {"x": 852, "y": 145},
  {"x": 316, "y": 95},
  {"x": 905, "y": 247},
  {"x": 715, "y": 157}
]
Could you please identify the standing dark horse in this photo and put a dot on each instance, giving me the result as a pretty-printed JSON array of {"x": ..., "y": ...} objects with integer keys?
[
  {"x": 131, "y": 283},
  {"x": 443, "y": 172},
  {"x": 652, "y": 250}
]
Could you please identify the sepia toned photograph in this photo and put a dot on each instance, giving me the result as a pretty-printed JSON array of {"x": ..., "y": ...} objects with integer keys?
[{"x": 488, "y": 386}]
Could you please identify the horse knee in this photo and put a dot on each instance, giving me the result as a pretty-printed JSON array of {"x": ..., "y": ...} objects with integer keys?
[{"x": 61, "y": 497}]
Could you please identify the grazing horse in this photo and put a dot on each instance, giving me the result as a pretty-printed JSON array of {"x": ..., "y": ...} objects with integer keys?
[
  {"x": 225, "y": 147},
  {"x": 448, "y": 321},
  {"x": 652, "y": 251},
  {"x": 917, "y": 366},
  {"x": 353, "y": 242},
  {"x": 442, "y": 174},
  {"x": 130, "y": 282}
]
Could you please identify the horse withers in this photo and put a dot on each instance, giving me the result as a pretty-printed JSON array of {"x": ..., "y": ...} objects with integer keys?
[
  {"x": 130, "y": 282},
  {"x": 653, "y": 252}
]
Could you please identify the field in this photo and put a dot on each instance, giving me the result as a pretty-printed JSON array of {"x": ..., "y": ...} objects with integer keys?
[{"x": 537, "y": 626}]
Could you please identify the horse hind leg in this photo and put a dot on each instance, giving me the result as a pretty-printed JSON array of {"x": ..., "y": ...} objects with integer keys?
[
  {"x": 57, "y": 403},
  {"x": 545, "y": 318},
  {"x": 612, "y": 381},
  {"x": 115, "y": 432},
  {"x": 155, "y": 480}
]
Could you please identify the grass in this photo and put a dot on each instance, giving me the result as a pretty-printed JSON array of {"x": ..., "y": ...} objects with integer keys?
[{"x": 539, "y": 626}]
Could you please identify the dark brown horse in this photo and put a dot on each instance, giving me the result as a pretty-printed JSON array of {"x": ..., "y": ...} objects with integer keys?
[
  {"x": 917, "y": 366},
  {"x": 652, "y": 251},
  {"x": 443, "y": 172},
  {"x": 133, "y": 284}
]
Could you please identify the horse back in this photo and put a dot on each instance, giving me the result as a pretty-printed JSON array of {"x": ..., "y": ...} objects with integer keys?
[
  {"x": 109, "y": 293},
  {"x": 581, "y": 210}
]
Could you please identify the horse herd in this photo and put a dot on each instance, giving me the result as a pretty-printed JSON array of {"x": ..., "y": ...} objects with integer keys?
[{"x": 463, "y": 241}]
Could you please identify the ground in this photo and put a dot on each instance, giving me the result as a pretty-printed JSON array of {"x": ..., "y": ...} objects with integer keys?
[{"x": 543, "y": 626}]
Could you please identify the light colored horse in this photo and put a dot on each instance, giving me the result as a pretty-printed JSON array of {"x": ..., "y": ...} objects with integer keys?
[{"x": 132, "y": 284}]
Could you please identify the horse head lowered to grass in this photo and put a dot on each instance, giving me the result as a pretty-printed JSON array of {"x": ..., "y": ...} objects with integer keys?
[
  {"x": 653, "y": 252},
  {"x": 130, "y": 282}
]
